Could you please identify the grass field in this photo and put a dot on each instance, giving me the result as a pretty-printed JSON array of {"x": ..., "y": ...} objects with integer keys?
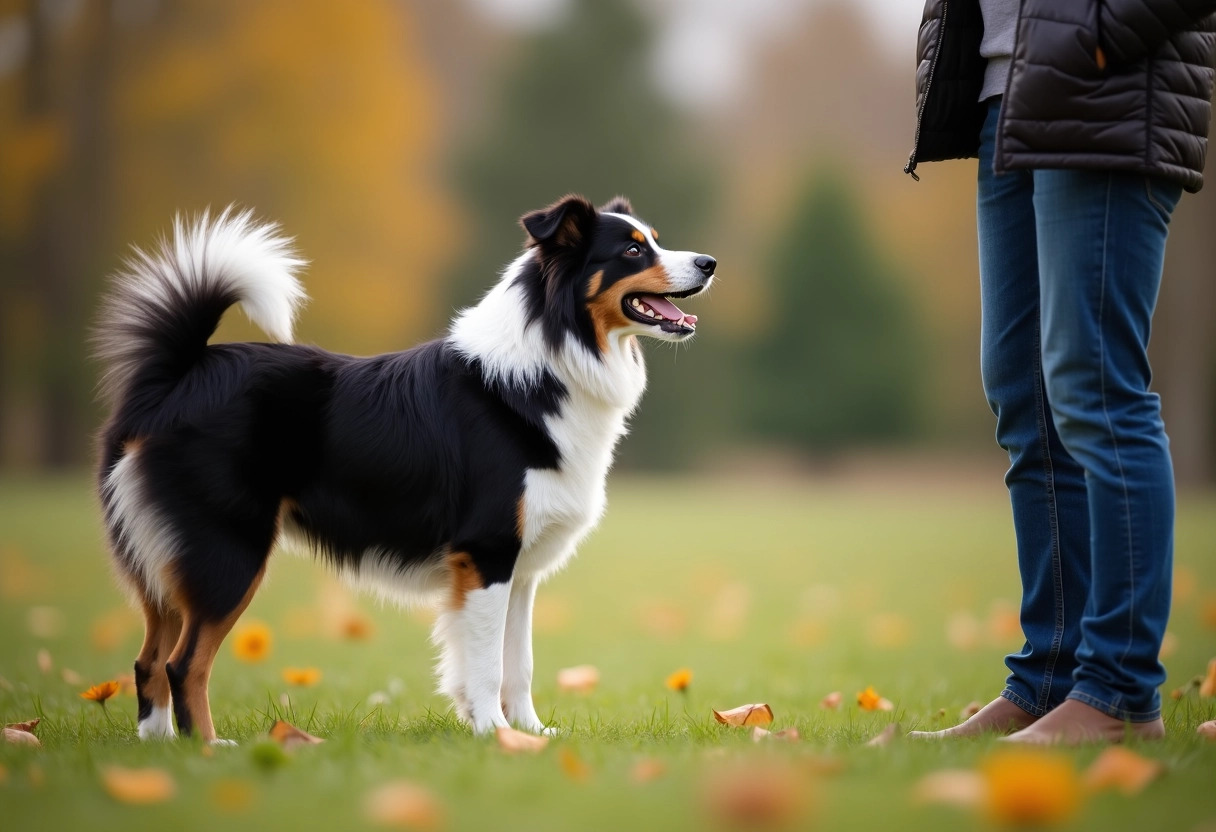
[{"x": 769, "y": 592}]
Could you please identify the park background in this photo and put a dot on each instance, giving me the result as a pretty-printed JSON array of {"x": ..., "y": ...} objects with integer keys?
[{"x": 810, "y": 499}]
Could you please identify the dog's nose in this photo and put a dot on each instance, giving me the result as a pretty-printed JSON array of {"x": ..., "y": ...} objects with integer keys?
[{"x": 706, "y": 264}]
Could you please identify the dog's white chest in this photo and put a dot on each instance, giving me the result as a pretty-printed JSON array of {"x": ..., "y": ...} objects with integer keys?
[{"x": 561, "y": 505}]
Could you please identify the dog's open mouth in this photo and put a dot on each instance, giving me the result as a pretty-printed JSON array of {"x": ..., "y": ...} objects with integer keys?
[{"x": 658, "y": 310}]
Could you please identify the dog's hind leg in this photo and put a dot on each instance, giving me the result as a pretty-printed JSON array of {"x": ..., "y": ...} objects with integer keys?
[
  {"x": 161, "y": 630},
  {"x": 189, "y": 666}
]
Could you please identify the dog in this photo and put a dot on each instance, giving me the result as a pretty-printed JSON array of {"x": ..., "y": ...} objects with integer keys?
[{"x": 461, "y": 472}]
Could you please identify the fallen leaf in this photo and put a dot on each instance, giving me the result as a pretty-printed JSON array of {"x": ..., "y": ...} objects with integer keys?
[
  {"x": 887, "y": 736},
  {"x": 869, "y": 700},
  {"x": 1029, "y": 787},
  {"x": 28, "y": 726},
  {"x": 573, "y": 766},
  {"x": 45, "y": 663},
  {"x": 1208, "y": 686},
  {"x": 13, "y": 736},
  {"x": 304, "y": 677},
  {"x": 355, "y": 626},
  {"x": 1122, "y": 769},
  {"x": 1207, "y": 730},
  {"x": 680, "y": 680},
  {"x": 71, "y": 677},
  {"x": 789, "y": 734},
  {"x": 647, "y": 770},
  {"x": 756, "y": 796},
  {"x": 745, "y": 715},
  {"x": 515, "y": 742},
  {"x": 405, "y": 804},
  {"x": 289, "y": 736},
  {"x": 138, "y": 786},
  {"x": 252, "y": 642},
  {"x": 950, "y": 787},
  {"x": 970, "y": 709},
  {"x": 101, "y": 692},
  {"x": 832, "y": 701},
  {"x": 580, "y": 679}
]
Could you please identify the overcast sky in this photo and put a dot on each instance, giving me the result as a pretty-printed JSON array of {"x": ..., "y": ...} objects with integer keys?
[{"x": 705, "y": 49}]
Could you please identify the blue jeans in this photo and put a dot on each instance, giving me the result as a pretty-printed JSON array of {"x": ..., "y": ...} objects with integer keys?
[{"x": 1070, "y": 265}]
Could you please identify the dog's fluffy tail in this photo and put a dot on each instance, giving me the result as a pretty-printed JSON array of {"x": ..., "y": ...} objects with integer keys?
[{"x": 164, "y": 306}]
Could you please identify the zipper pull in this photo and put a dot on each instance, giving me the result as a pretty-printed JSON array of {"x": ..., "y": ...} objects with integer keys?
[{"x": 910, "y": 168}]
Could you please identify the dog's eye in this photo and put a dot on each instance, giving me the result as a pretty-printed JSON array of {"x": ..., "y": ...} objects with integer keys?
[{"x": 633, "y": 251}]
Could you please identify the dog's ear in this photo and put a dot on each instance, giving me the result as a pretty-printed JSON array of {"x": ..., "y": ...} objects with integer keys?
[
  {"x": 617, "y": 205},
  {"x": 566, "y": 223}
]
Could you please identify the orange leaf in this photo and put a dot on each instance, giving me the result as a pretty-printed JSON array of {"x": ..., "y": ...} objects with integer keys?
[
  {"x": 27, "y": 726},
  {"x": 580, "y": 679},
  {"x": 289, "y": 736},
  {"x": 680, "y": 680},
  {"x": 950, "y": 787},
  {"x": 402, "y": 803},
  {"x": 1208, "y": 686},
  {"x": 887, "y": 736},
  {"x": 760, "y": 734},
  {"x": 573, "y": 766},
  {"x": 869, "y": 700},
  {"x": 252, "y": 642},
  {"x": 138, "y": 786},
  {"x": 355, "y": 626},
  {"x": 1119, "y": 768},
  {"x": 647, "y": 770},
  {"x": 102, "y": 692},
  {"x": 1030, "y": 787},
  {"x": 1207, "y": 730},
  {"x": 515, "y": 742},
  {"x": 13, "y": 736},
  {"x": 302, "y": 676},
  {"x": 832, "y": 701},
  {"x": 745, "y": 715}
]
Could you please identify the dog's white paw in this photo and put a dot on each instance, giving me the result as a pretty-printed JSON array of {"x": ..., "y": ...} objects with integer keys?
[
  {"x": 220, "y": 742},
  {"x": 158, "y": 725}
]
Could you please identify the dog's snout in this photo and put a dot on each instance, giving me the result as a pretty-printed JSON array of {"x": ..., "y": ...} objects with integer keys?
[{"x": 706, "y": 264}]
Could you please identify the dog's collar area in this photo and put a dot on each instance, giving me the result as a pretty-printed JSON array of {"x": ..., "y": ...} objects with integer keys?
[{"x": 657, "y": 310}]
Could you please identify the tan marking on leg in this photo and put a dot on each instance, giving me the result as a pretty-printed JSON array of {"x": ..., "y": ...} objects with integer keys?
[
  {"x": 607, "y": 308},
  {"x": 207, "y": 637},
  {"x": 465, "y": 577},
  {"x": 161, "y": 630}
]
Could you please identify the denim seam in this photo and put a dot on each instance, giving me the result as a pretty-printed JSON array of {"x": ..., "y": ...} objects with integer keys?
[
  {"x": 1148, "y": 192},
  {"x": 1026, "y": 706},
  {"x": 1114, "y": 441},
  {"x": 1057, "y": 578},
  {"x": 1114, "y": 710}
]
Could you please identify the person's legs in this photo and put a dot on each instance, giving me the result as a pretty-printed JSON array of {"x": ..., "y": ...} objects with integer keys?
[
  {"x": 1101, "y": 240},
  {"x": 1046, "y": 487}
]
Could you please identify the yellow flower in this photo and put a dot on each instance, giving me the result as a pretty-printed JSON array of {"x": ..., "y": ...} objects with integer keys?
[
  {"x": 252, "y": 643},
  {"x": 680, "y": 680},
  {"x": 1027, "y": 787},
  {"x": 100, "y": 693},
  {"x": 305, "y": 677},
  {"x": 869, "y": 700}
]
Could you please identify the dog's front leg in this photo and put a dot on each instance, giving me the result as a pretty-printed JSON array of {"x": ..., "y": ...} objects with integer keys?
[
  {"x": 517, "y": 657},
  {"x": 480, "y": 627}
]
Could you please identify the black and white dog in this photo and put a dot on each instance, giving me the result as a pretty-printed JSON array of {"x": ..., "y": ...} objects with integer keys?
[{"x": 461, "y": 472}]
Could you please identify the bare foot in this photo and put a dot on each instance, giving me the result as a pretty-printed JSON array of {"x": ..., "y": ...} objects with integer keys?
[
  {"x": 1000, "y": 716},
  {"x": 1075, "y": 723}
]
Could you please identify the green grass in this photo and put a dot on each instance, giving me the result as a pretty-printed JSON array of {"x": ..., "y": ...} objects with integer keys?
[{"x": 776, "y": 593}]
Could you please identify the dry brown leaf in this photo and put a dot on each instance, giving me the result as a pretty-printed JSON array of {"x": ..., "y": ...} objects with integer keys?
[
  {"x": 14, "y": 736},
  {"x": 515, "y": 742},
  {"x": 1208, "y": 686},
  {"x": 580, "y": 679},
  {"x": 756, "y": 796},
  {"x": 970, "y": 709},
  {"x": 788, "y": 735},
  {"x": 832, "y": 701},
  {"x": 138, "y": 785},
  {"x": 950, "y": 787},
  {"x": 405, "y": 804},
  {"x": 647, "y": 770},
  {"x": 1122, "y": 769},
  {"x": 1207, "y": 730},
  {"x": 887, "y": 736},
  {"x": 746, "y": 715},
  {"x": 289, "y": 736},
  {"x": 573, "y": 766},
  {"x": 27, "y": 726}
]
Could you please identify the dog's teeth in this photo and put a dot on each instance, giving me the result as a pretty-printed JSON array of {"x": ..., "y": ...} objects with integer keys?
[{"x": 636, "y": 303}]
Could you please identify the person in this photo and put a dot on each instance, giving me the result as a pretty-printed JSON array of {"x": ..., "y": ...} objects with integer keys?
[{"x": 1089, "y": 120}]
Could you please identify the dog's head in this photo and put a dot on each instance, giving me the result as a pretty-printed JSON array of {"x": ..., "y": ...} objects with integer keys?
[{"x": 602, "y": 274}]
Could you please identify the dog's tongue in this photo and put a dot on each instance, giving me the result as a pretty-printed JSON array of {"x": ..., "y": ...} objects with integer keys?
[{"x": 667, "y": 309}]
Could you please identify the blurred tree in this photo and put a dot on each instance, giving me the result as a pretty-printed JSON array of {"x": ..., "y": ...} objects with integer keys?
[
  {"x": 316, "y": 114},
  {"x": 577, "y": 111},
  {"x": 840, "y": 360}
]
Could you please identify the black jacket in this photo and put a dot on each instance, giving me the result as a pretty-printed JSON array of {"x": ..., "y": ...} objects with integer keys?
[{"x": 1101, "y": 84}]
